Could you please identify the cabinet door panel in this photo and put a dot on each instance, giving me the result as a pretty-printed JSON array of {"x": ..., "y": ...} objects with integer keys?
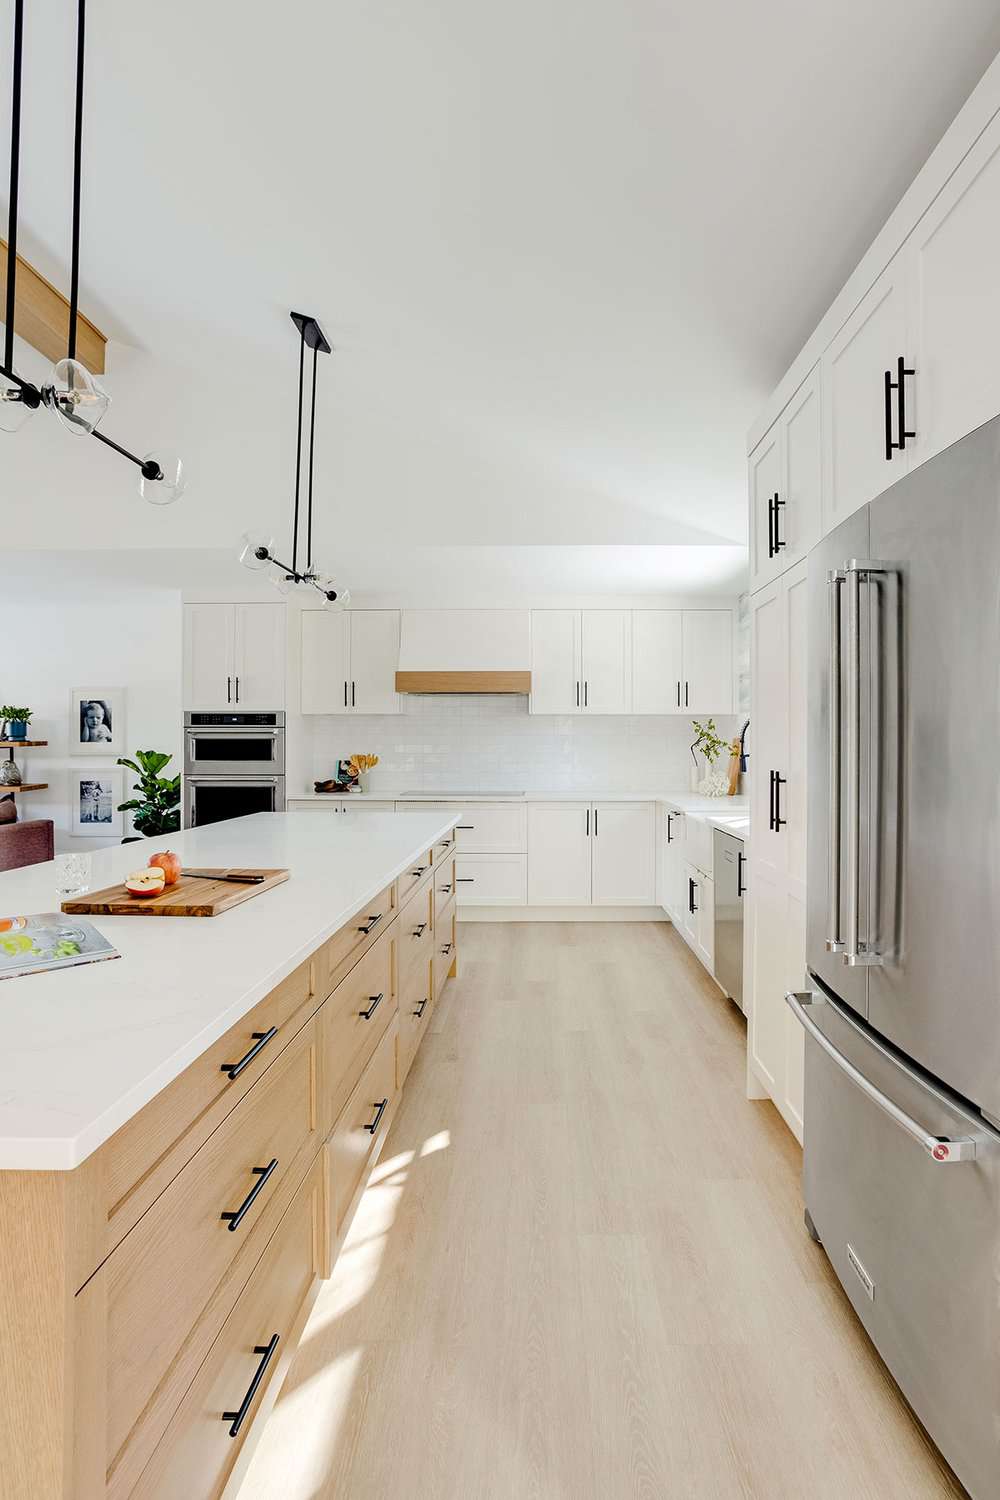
[
  {"x": 555, "y": 661},
  {"x": 559, "y": 845},
  {"x": 606, "y": 665},
  {"x": 623, "y": 855},
  {"x": 657, "y": 661},
  {"x": 765, "y": 483},
  {"x": 325, "y": 687},
  {"x": 854, "y": 366},
  {"x": 794, "y": 796},
  {"x": 209, "y": 666},
  {"x": 673, "y": 865},
  {"x": 374, "y": 659},
  {"x": 708, "y": 661},
  {"x": 769, "y": 722},
  {"x": 792, "y": 1100},
  {"x": 260, "y": 656},
  {"x": 802, "y": 486},
  {"x": 767, "y": 913},
  {"x": 953, "y": 256}
]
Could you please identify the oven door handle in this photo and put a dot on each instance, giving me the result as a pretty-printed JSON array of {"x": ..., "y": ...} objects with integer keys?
[{"x": 942, "y": 1149}]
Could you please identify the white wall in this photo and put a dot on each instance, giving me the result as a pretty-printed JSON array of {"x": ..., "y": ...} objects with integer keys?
[
  {"x": 65, "y": 641},
  {"x": 491, "y": 743}
]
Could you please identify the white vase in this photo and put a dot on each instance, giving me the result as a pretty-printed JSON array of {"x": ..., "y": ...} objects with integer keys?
[{"x": 364, "y": 777}]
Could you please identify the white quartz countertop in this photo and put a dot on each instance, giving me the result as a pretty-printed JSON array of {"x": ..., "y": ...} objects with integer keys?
[
  {"x": 82, "y": 1050},
  {"x": 731, "y": 814},
  {"x": 687, "y": 801}
]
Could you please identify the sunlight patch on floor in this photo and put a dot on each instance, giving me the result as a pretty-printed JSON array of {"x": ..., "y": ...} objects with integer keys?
[{"x": 297, "y": 1457}]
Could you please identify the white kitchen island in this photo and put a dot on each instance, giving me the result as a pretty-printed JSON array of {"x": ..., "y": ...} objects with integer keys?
[{"x": 185, "y": 1132}]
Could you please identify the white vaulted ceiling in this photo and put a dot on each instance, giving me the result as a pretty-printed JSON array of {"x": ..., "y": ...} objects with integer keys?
[{"x": 563, "y": 248}]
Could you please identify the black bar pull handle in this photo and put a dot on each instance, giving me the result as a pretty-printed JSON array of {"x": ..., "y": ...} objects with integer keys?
[
  {"x": 237, "y": 690},
  {"x": 691, "y": 889},
  {"x": 237, "y": 1418},
  {"x": 229, "y": 690},
  {"x": 685, "y": 695},
  {"x": 779, "y": 782},
  {"x": 902, "y": 370},
  {"x": 889, "y": 444},
  {"x": 465, "y": 827},
  {"x": 352, "y": 694},
  {"x": 578, "y": 695},
  {"x": 380, "y": 1110},
  {"x": 419, "y": 930},
  {"x": 595, "y": 822},
  {"x": 678, "y": 692},
  {"x": 444, "y": 889},
  {"x": 770, "y": 525},
  {"x": 261, "y": 1039},
  {"x": 374, "y": 1001},
  {"x": 345, "y": 692},
  {"x": 587, "y": 830},
  {"x": 465, "y": 880},
  {"x": 770, "y": 815},
  {"x": 235, "y": 1216},
  {"x": 778, "y": 540},
  {"x": 670, "y": 827},
  {"x": 420, "y": 1009},
  {"x": 420, "y": 870},
  {"x": 372, "y": 922},
  {"x": 741, "y": 889},
  {"x": 447, "y": 947}
]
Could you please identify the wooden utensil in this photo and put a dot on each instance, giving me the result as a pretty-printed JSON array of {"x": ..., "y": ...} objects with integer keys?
[{"x": 190, "y": 896}]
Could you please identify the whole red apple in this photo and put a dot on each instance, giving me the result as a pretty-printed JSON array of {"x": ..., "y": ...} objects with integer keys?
[{"x": 169, "y": 863}]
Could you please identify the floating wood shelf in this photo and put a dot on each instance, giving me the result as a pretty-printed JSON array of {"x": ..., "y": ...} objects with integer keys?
[
  {"x": 24, "y": 786},
  {"x": 20, "y": 744}
]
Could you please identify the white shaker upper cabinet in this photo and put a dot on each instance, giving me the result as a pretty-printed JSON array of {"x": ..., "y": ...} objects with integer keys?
[
  {"x": 708, "y": 661},
  {"x": 555, "y": 662},
  {"x": 559, "y": 845},
  {"x": 657, "y": 661},
  {"x": 953, "y": 256},
  {"x": 374, "y": 659},
  {"x": 259, "y": 656},
  {"x": 325, "y": 662},
  {"x": 606, "y": 664},
  {"x": 209, "y": 665},
  {"x": 861, "y": 419},
  {"x": 765, "y": 488},
  {"x": 624, "y": 868},
  {"x": 786, "y": 483}
]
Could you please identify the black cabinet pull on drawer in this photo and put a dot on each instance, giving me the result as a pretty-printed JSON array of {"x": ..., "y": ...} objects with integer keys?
[
  {"x": 237, "y": 1418},
  {"x": 374, "y": 1001},
  {"x": 464, "y": 827},
  {"x": 372, "y": 922},
  {"x": 261, "y": 1039},
  {"x": 420, "y": 1008},
  {"x": 465, "y": 879},
  {"x": 444, "y": 888},
  {"x": 380, "y": 1110},
  {"x": 447, "y": 947},
  {"x": 420, "y": 870},
  {"x": 237, "y": 1215},
  {"x": 419, "y": 930}
]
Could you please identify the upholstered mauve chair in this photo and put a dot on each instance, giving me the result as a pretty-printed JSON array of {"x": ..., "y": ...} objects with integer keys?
[{"x": 26, "y": 843}]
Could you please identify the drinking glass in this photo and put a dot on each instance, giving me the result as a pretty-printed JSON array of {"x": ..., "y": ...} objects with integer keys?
[{"x": 72, "y": 874}]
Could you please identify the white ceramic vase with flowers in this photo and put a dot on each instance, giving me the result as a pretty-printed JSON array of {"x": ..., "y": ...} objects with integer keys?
[{"x": 709, "y": 745}]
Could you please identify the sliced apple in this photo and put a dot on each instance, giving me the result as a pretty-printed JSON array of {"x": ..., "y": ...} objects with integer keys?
[{"x": 145, "y": 882}]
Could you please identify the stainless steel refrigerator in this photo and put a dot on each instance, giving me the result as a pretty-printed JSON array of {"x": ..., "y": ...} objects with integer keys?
[{"x": 902, "y": 999}]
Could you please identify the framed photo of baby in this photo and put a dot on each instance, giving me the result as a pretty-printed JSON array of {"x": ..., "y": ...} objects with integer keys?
[{"x": 97, "y": 721}]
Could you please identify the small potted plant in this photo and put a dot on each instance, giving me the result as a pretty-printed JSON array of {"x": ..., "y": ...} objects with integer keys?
[
  {"x": 710, "y": 745},
  {"x": 16, "y": 720},
  {"x": 156, "y": 810}
]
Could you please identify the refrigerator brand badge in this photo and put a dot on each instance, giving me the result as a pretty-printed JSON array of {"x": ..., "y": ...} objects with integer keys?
[{"x": 861, "y": 1273}]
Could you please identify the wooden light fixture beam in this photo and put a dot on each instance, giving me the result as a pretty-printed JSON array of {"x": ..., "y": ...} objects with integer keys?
[{"x": 42, "y": 317}]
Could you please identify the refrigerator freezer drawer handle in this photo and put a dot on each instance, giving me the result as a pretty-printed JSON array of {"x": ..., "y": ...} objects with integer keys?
[{"x": 940, "y": 1149}]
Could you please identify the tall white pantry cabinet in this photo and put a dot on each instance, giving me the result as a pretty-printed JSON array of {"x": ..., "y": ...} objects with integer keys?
[{"x": 902, "y": 365}]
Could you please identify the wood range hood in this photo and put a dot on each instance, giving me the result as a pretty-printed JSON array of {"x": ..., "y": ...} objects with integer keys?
[{"x": 464, "y": 651}]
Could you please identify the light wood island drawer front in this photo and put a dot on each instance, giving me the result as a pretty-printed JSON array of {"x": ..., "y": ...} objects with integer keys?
[
  {"x": 413, "y": 878},
  {"x": 416, "y": 999},
  {"x": 359, "y": 1131},
  {"x": 139, "y": 1161},
  {"x": 444, "y": 884},
  {"x": 445, "y": 949},
  {"x": 443, "y": 849},
  {"x": 168, "y": 1283},
  {"x": 415, "y": 933},
  {"x": 344, "y": 949},
  {"x": 200, "y": 1450},
  {"x": 352, "y": 1022}
]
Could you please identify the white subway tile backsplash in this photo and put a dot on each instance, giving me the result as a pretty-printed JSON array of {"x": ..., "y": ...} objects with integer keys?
[{"x": 491, "y": 743}]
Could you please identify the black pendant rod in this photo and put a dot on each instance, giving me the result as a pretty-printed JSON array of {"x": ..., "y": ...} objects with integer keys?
[
  {"x": 74, "y": 279},
  {"x": 15, "y": 170},
  {"x": 312, "y": 438},
  {"x": 150, "y": 468},
  {"x": 298, "y": 460}
]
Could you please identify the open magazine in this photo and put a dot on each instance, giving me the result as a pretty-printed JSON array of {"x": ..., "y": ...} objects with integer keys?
[{"x": 31, "y": 945}]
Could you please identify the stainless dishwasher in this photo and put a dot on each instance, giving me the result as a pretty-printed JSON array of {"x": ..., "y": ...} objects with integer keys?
[{"x": 728, "y": 866}]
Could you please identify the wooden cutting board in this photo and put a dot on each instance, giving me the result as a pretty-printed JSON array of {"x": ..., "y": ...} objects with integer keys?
[{"x": 191, "y": 896}]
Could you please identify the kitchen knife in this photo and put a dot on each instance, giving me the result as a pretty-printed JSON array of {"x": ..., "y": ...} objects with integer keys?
[{"x": 243, "y": 879}]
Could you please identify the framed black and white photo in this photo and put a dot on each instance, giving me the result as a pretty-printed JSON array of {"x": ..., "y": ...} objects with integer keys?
[
  {"x": 97, "y": 721},
  {"x": 93, "y": 804}
]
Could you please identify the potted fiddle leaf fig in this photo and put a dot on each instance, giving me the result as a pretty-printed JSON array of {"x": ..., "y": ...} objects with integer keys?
[
  {"x": 16, "y": 720},
  {"x": 157, "y": 809}
]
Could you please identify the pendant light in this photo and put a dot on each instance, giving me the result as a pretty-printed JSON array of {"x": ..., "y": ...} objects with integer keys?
[
  {"x": 257, "y": 549},
  {"x": 72, "y": 393}
]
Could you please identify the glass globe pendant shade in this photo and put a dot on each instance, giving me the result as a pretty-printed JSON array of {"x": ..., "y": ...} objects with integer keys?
[
  {"x": 256, "y": 550},
  {"x": 77, "y": 399},
  {"x": 13, "y": 411},
  {"x": 172, "y": 480},
  {"x": 341, "y": 596}
]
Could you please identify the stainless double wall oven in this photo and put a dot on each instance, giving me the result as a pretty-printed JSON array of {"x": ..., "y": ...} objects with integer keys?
[{"x": 234, "y": 764}]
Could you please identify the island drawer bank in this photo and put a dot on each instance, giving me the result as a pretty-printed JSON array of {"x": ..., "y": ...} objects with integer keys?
[{"x": 166, "y": 1279}]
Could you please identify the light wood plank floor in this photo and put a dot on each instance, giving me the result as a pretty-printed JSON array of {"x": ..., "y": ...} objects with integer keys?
[{"x": 580, "y": 1270}]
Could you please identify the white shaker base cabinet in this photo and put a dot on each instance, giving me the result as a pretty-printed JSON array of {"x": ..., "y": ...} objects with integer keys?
[
  {"x": 591, "y": 854},
  {"x": 624, "y": 857},
  {"x": 559, "y": 863},
  {"x": 698, "y": 914}
]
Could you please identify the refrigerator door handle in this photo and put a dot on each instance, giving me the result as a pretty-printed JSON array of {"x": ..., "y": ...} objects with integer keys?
[
  {"x": 942, "y": 1149},
  {"x": 855, "y": 954},
  {"x": 834, "y": 942}
]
